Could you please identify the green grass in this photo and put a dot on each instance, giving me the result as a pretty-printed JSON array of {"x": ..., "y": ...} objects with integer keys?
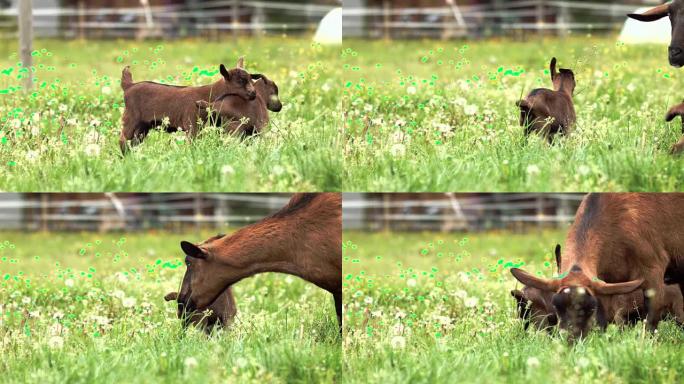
[
  {"x": 64, "y": 317},
  {"x": 441, "y": 116},
  {"x": 436, "y": 307},
  {"x": 64, "y": 135}
]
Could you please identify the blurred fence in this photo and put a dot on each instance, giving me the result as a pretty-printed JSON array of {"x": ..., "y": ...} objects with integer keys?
[
  {"x": 458, "y": 212},
  {"x": 104, "y": 212},
  {"x": 184, "y": 18},
  {"x": 383, "y": 19}
]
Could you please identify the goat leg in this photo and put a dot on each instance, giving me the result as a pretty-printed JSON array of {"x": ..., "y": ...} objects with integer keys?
[{"x": 338, "y": 308}]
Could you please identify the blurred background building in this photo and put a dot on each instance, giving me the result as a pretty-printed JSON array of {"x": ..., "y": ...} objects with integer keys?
[
  {"x": 484, "y": 18},
  {"x": 105, "y": 212},
  {"x": 166, "y": 18},
  {"x": 449, "y": 212}
]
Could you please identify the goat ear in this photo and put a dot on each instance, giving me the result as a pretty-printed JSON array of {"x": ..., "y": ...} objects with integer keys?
[
  {"x": 241, "y": 62},
  {"x": 256, "y": 76},
  {"x": 557, "y": 251},
  {"x": 677, "y": 110},
  {"x": 535, "y": 282},
  {"x": 603, "y": 288},
  {"x": 519, "y": 296},
  {"x": 224, "y": 72},
  {"x": 171, "y": 296},
  {"x": 192, "y": 250},
  {"x": 654, "y": 14},
  {"x": 552, "y": 68}
]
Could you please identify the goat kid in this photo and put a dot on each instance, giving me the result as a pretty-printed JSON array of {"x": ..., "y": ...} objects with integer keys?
[
  {"x": 550, "y": 112},
  {"x": 148, "y": 103},
  {"x": 242, "y": 116},
  {"x": 220, "y": 313}
]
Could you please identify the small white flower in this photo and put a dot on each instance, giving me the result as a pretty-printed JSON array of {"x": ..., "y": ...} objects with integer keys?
[
  {"x": 368, "y": 300},
  {"x": 398, "y": 342},
  {"x": 35, "y": 117},
  {"x": 32, "y": 156},
  {"x": 16, "y": 123},
  {"x": 166, "y": 121},
  {"x": 398, "y": 150},
  {"x": 190, "y": 362},
  {"x": 411, "y": 90},
  {"x": 106, "y": 90},
  {"x": 583, "y": 170},
  {"x": 278, "y": 170},
  {"x": 533, "y": 170},
  {"x": 95, "y": 122},
  {"x": 69, "y": 282},
  {"x": 92, "y": 150},
  {"x": 444, "y": 128},
  {"x": 56, "y": 342},
  {"x": 471, "y": 302},
  {"x": 241, "y": 362},
  {"x": 533, "y": 362},
  {"x": 26, "y": 300},
  {"x": 227, "y": 170},
  {"x": 400, "y": 123},
  {"x": 471, "y": 109},
  {"x": 411, "y": 282},
  {"x": 631, "y": 87},
  {"x": 583, "y": 362},
  {"x": 128, "y": 302},
  {"x": 63, "y": 108},
  {"x": 326, "y": 87}
]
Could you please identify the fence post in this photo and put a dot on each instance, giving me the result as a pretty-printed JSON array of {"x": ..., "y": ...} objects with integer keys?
[
  {"x": 26, "y": 40},
  {"x": 236, "y": 17},
  {"x": 540, "y": 17},
  {"x": 386, "y": 8}
]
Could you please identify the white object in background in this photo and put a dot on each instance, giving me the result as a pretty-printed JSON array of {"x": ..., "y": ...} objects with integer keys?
[
  {"x": 329, "y": 31},
  {"x": 639, "y": 32}
]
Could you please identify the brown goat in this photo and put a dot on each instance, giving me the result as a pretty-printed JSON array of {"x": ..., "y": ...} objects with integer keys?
[
  {"x": 221, "y": 314},
  {"x": 677, "y": 110},
  {"x": 304, "y": 239},
  {"x": 534, "y": 306},
  {"x": 617, "y": 244},
  {"x": 675, "y": 10},
  {"x": 149, "y": 103},
  {"x": 550, "y": 112},
  {"x": 242, "y": 116}
]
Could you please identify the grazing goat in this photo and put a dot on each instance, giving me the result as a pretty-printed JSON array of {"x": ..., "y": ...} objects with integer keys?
[
  {"x": 677, "y": 110},
  {"x": 303, "y": 239},
  {"x": 534, "y": 306},
  {"x": 617, "y": 244},
  {"x": 221, "y": 312},
  {"x": 675, "y": 10},
  {"x": 148, "y": 104},
  {"x": 550, "y": 112},
  {"x": 242, "y": 116}
]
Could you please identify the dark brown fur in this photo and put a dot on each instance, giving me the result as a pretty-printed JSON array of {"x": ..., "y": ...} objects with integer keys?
[
  {"x": 242, "y": 116},
  {"x": 630, "y": 243},
  {"x": 677, "y": 110},
  {"x": 675, "y": 10},
  {"x": 550, "y": 112},
  {"x": 148, "y": 103},
  {"x": 303, "y": 239},
  {"x": 221, "y": 314}
]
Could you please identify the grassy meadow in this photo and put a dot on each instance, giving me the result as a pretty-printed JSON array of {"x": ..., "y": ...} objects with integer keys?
[
  {"x": 63, "y": 136},
  {"x": 89, "y": 308},
  {"x": 441, "y": 116},
  {"x": 436, "y": 308}
]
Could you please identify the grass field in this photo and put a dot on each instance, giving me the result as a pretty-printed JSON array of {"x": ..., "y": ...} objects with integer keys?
[
  {"x": 441, "y": 116},
  {"x": 88, "y": 308},
  {"x": 436, "y": 308},
  {"x": 64, "y": 135}
]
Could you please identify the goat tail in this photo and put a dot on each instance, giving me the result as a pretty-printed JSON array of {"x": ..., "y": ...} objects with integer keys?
[
  {"x": 126, "y": 78},
  {"x": 552, "y": 67}
]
